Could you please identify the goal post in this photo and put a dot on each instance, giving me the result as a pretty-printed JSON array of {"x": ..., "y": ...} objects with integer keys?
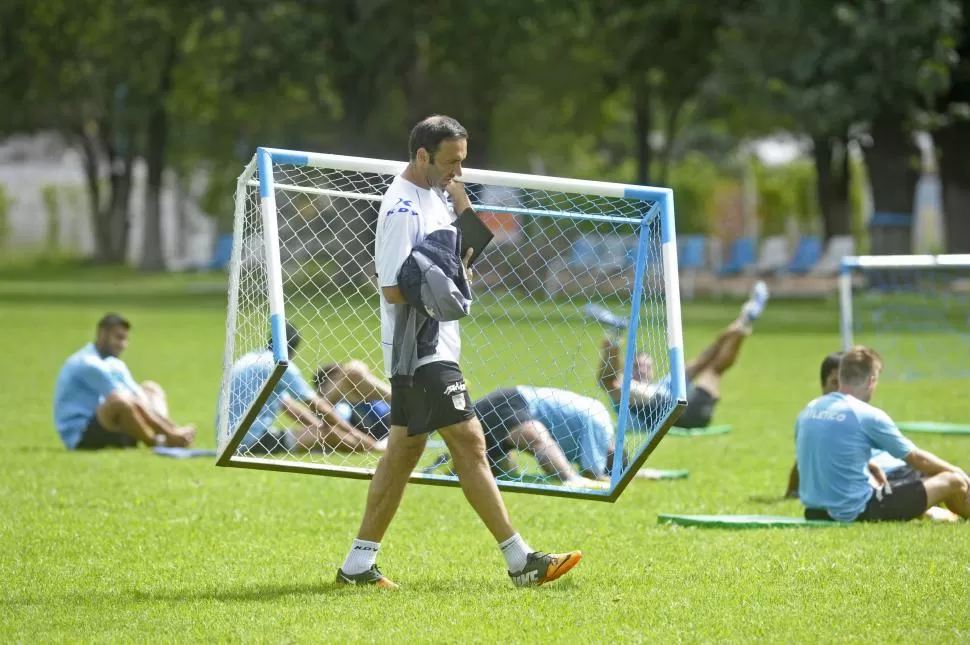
[
  {"x": 912, "y": 309},
  {"x": 303, "y": 243}
]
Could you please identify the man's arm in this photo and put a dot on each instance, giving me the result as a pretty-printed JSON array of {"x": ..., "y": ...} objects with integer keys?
[
  {"x": 327, "y": 412},
  {"x": 393, "y": 295},
  {"x": 792, "y": 491},
  {"x": 929, "y": 464},
  {"x": 459, "y": 198},
  {"x": 534, "y": 437},
  {"x": 878, "y": 476}
]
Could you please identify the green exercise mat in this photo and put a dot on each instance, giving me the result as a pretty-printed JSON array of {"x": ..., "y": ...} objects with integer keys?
[
  {"x": 742, "y": 521},
  {"x": 709, "y": 431},
  {"x": 934, "y": 427}
]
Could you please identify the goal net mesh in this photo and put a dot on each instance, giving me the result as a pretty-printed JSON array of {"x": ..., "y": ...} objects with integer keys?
[
  {"x": 556, "y": 258},
  {"x": 916, "y": 317}
]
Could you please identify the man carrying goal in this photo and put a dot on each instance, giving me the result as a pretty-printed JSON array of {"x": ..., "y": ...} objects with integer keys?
[{"x": 436, "y": 398}]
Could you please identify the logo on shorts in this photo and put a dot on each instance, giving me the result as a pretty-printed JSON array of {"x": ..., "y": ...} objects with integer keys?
[
  {"x": 455, "y": 388},
  {"x": 459, "y": 401}
]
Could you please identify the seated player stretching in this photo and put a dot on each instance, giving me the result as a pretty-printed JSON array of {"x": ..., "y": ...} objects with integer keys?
[
  {"x": 703, "y": 373},
  {"x": 97, "y": 403},
  {"x": 836, "y": 434},
  {"x": 318, "y": 424},
  {"x": 556, "y": 426},
  {"x": 359, "y": 397},
  {"x": 896, "y": 471}
]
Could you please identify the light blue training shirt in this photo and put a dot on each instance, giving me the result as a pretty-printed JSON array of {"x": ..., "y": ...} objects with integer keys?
[
  {"x": 85, "y": 380},
  {"x": 246, "y": 379},
  {"x": 835, "y": 436},
  {"x": 582, "y": 426}
]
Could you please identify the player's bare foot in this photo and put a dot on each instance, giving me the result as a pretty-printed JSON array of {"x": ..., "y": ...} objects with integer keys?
[{"x": 181, "y": 437}]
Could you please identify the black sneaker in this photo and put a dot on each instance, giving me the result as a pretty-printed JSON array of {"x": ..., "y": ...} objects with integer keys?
[
  {"x": 372, "y": 576},
  {"x": 541, "y": 568}
]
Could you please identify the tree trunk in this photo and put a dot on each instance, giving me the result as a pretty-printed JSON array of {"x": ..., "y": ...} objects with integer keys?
[
  {"x": 182, "y": 183},
  {"x": 832, "y": 185},
  {"x": 642, "y": 125},
  {"x": 670, "y": 137},
  {"x": 893, "y": 163},
  {"x": 89, "y": 155},
  {"x": 953, "y": 142},
  {"x": 152, "y": 256},
  {"x": 118, "y": 215}
]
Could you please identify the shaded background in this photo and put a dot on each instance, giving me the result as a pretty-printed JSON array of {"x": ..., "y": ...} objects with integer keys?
[{"x": 126, "y": 122}]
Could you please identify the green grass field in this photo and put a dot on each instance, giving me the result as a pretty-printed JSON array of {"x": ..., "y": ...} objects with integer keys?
[{"x": 127, "y": 546}]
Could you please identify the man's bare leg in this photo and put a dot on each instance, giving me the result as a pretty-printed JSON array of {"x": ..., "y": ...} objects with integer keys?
[
  {"x": 123, "y": 413},
  {"x": 156, "y": 397},
  {"x": 466, "y": 443},
  {"x": 387, "y": 487},
  {"x": 950, "y": 489}
]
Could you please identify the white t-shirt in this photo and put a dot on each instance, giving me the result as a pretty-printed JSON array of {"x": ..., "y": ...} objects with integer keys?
[{"x": 408, "y": 215}]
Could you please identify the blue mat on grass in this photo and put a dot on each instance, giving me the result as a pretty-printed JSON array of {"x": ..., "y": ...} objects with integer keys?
[{"x": 185, "y": 453}]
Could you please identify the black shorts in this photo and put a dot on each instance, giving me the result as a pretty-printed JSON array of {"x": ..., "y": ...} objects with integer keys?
[
  {"x": 271, "y": 442},
  {"x": 895, "y": 502},
  {"x": 95, "y": 437},
  {"x": 891, "y": 503},
  {"x": 498, "y": 412},
  {"x": 436, "y": 398},
  {"x": 700, "y": 409}
]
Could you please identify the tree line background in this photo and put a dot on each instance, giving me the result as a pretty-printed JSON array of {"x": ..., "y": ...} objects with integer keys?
[{"x": 662, "y": 92}]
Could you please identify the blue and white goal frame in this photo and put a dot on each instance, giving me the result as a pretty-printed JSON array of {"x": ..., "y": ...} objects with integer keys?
[{"x": 658, "y": 205}]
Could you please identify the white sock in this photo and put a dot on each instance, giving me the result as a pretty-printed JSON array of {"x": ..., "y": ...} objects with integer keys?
[
  {"x": 515, "y": 550},
  {"x": 362, "y": 556}
]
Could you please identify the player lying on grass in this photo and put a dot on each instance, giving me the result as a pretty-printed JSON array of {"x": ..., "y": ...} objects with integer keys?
[
  {"x": 359, "y": 397},
  {"x": 97, "y": 403},
  {"x": 704, "y": 373},
  {"x": 430, "y": 393},
  {"x": 556, "y": 426},
  {"x": 835, "y": 436},
  {"x": 318, "y": 426}
]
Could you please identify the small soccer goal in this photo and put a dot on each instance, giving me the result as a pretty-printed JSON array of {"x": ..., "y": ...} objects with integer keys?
[
  {"x": 303, "y": 246},
  {"x": 912, "y": 309}
]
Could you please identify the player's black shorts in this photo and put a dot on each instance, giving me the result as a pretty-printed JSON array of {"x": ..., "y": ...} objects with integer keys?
[
  {"x": 95, "y": 437},
  {"x": 891, "y": 503},
  {"x": 437, "y": 398},
  {"x": 700, "y": 409},
  {"x": 499, "y": 411},
  {"x": 271, "y": 442}
]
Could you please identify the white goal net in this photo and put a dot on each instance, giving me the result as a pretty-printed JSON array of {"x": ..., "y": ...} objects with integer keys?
[
  {"x": 912, "y": 309},
  {"x": 572, "y": 264}
]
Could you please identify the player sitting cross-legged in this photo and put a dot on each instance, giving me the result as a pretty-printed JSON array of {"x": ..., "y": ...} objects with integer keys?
[
  {"x": 97, "y": 403},
  {"x": 704, "y": 373},
  {"x": 319, "y": 427},
  {"x": 836, "y": 434}
]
